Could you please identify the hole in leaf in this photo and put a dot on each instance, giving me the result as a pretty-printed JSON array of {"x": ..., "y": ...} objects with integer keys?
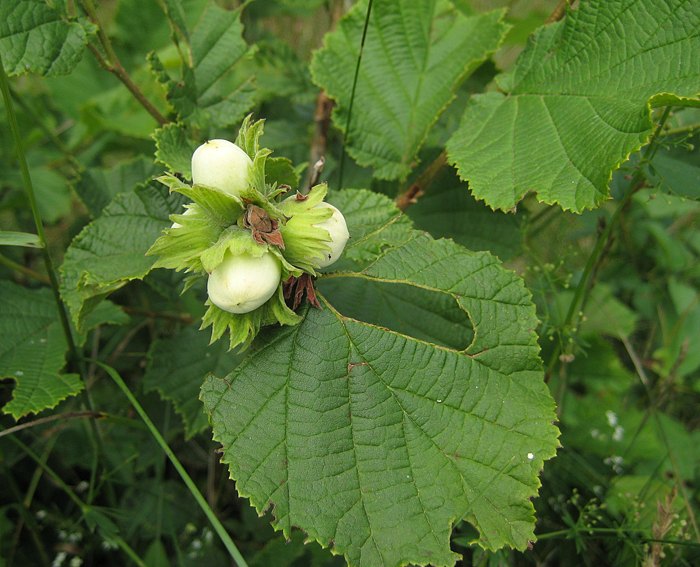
[{"x": 423, "y": 314}]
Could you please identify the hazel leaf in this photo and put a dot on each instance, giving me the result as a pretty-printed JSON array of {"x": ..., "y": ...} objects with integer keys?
[
  {"x": 33, "y": 351},
  {"x": 375, "y": 442},
  {"x": 578, "y": 102},
  {"x": 415, "y": 56},
  {"x": 36, "y": 38}
]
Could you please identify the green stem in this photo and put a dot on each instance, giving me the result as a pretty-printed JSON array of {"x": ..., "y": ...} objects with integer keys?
[
  {"x": 583, "y": 286},
  {"x": 25, "y": 519},
  {"x": 588, "y": 531},
  {"x": 49, "y": 419},
  {"x": 24, "y": 169},
  {"x": 682, "y": 129},
  {"x": 537, "y": 216},
  {"x": 192, "y": 487},
  {"x": 352, "y": 96},
  {"x": 613, "y": 532},
  {"x": 540, "y": 221},
  {"x": 8, "y": 262},
  {"x": 651, "y": 149},
  {"x": 654, "y": 400}
]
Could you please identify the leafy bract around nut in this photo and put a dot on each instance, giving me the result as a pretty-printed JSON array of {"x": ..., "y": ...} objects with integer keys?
[
  {"x": 244, "y": 327},
  {"x": 306, "y": 242},
  {"x": 180, "y": 247},
  {"x": 235, "y": 242},
  {"x": 235, "y": 231}
]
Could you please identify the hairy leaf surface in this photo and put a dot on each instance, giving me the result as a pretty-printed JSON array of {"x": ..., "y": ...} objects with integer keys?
[
  {"x": 217, "y": 45},
  {"x": 35, "y": 38},
  {"x": 174, "y": 148},
  {"x": 416, "y": 54},
  {"x": 374, "y": 442},
  {"x": 208, "y": 93},
  {"x": 578, "y": 102},
  {"x": 33, "y": 350}
]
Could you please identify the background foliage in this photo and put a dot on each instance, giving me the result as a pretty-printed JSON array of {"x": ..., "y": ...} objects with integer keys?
[{"x": 407, "y": 421}]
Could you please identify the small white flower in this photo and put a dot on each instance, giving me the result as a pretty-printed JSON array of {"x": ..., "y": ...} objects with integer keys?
[{"x": 612, "y": 418}]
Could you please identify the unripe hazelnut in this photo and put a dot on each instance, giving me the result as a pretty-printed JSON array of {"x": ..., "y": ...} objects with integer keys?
[
  {"x": 221, "y": 165},
  {"x": 243, "y": 283},
  {"x": 338, "y": 231}
]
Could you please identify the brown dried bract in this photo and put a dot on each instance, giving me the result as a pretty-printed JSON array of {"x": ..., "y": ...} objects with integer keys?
[
  {"x": 294, "y": 289},
  {"x": 265, "y": 230}
]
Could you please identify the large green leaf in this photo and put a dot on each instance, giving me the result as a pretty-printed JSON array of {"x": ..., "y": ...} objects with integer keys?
[
  {"x": 217, "y": 45},
  {"x": 209, "y": 93},
  {"x": 578, "y": 102},
  {"x": 35, "y": 38},
  {"x": 111, "y": 251},
  {"x": 416, "y": 54},
  {"x": 33, "y": 350},
  {"x": 375, "y": 442},
  {"x": 177, "y": 366}
]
